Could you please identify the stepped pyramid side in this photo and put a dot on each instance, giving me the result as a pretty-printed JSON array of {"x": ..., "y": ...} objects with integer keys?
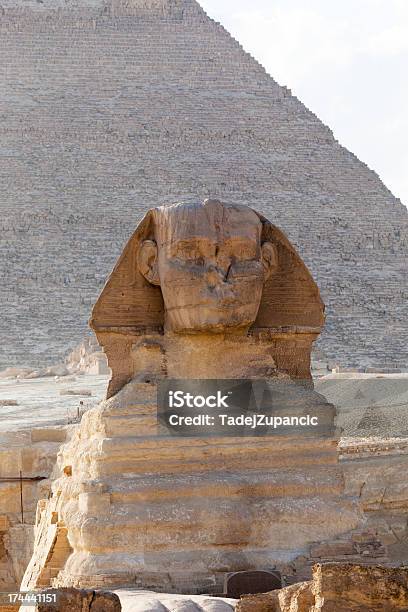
[{"x": 110, "y": 108}]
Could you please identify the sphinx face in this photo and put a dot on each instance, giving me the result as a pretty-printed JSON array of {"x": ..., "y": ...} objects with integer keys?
[{"x": 211, "y": 267}]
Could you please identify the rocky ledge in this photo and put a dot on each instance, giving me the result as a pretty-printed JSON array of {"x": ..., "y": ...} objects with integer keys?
[{"x": 337, "y": 587}]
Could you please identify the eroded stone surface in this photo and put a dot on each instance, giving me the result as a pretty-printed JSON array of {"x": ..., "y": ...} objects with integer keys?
[
  {"x": 356, "y": 588},
  {"x": 177, "y": 514},
  {"x": 34, "y": 454},
  {"x": 338, "y": 587},
  {"x": 295, "y": 598}
]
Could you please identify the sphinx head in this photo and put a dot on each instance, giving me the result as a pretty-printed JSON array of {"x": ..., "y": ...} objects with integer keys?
[
  {"x": 210, "y": 263},
  {"x": 207, "y": 268}
]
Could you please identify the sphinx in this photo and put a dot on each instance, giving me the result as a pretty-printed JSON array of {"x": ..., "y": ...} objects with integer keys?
[
  {"x": 206, "y": 290},
  {"x": 201, "y": 291}
]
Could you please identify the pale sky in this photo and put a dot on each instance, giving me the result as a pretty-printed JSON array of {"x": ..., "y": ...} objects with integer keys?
[{"x": 346, "y": 60}]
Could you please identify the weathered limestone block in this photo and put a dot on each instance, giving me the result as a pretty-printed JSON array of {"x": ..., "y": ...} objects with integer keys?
[
  {"x": 34, "y": 453},
  {"x": 19, "y": 543},
  {"x": 295, "y": 598},
  {"x": 337, "y": 587},
  {"x": 357, "y": 588},
  {"x": 372, "y": 471}
]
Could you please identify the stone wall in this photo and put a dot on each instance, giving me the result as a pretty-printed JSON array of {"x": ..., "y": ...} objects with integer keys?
[
  {"x": 33, "y": 452},
  {"x": 110, "y": 108}
]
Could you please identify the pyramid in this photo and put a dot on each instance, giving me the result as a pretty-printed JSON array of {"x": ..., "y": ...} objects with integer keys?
[{"x": 110, "y": 107}]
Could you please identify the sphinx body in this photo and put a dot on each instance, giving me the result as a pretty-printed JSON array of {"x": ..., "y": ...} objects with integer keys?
[{"x": 201, "y": 291}]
